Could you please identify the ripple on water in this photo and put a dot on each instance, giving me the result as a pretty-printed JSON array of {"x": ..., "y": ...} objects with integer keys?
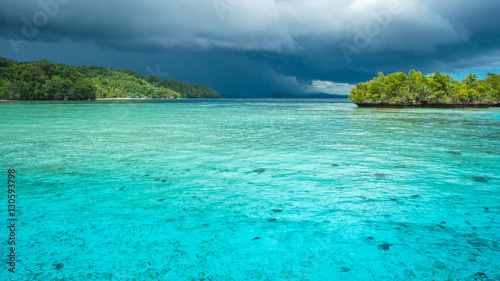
[{"x": 253, "y": 190}]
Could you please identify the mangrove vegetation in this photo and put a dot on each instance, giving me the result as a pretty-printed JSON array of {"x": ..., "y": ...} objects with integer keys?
[{"x": 435, "y": 90}]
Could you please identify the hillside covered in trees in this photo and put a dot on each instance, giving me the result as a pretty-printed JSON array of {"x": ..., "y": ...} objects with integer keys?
[
  {"x": 43, "y": 80},
  {"x": 435, "y": 90}
]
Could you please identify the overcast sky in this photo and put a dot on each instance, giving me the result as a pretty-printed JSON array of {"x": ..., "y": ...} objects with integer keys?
[{"x": 252, "y": 48}]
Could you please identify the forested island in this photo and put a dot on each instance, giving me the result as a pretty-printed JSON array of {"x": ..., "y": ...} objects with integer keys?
[
  {"x": 44, "y": 80},
  {"x": 435, "y": 90}
]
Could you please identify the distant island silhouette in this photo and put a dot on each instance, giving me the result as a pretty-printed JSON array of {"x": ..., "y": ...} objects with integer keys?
[{"x": 280, "y": 95}]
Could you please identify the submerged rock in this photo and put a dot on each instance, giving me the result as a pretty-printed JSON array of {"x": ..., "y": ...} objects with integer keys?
[
  {"x": 455, "y": 152},
  {"x": 259, "y": 171},
  {"x": 58, "y": 266},
  {"x": 479, "y": 179},
  {"x": 440, "y": 265},
  {"x": 480, "y": 275},
  {"x": 384, "y": 246},
  {"x": 408, "y": 272}
]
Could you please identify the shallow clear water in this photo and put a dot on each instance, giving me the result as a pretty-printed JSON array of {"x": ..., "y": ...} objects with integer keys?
[{"x": 120, "y": 190}]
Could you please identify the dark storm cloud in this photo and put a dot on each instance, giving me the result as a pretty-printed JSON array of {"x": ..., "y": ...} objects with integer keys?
[{"x": 248, "y": 46}]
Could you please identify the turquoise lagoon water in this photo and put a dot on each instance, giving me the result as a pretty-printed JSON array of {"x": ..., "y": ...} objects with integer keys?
[{"x": 251, "y": 190}]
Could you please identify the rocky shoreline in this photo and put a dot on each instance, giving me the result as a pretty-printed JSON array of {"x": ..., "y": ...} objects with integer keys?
[{"x": 426, "y": 105}]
